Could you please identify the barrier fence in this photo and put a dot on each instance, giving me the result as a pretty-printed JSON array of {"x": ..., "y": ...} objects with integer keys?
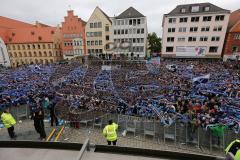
[{"x": 178, "y": 135}]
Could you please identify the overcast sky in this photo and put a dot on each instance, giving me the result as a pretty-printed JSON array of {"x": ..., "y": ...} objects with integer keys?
[{"x": 52, "y": 12}]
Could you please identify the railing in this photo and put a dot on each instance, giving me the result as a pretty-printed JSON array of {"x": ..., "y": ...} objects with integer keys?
[{"x": 144, "y": 132}]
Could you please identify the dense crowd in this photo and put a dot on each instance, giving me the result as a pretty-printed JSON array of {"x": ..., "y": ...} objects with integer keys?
[{"x": 132, "y": 88}]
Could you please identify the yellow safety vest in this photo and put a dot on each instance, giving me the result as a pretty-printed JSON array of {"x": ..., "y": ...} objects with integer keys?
[
  {"x": 8, "y": 120},
  {"x": 237, "y": 154},
  {"x": 110, "y": 132}
]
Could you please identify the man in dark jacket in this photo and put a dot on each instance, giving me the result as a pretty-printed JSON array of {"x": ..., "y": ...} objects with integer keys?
[
  {"x": 37, "y": 115},
  {"x": 52, "y": 104}
]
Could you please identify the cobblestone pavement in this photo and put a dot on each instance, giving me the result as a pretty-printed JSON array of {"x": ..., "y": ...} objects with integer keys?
[
  {"x": 95, "y": 135},
  {"x": 26, "y": 131}
]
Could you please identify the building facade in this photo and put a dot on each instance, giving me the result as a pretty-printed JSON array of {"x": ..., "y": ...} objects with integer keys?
[
  {"x": 130, "y": 28},
  {"x": 73, "y": 36},
  {"x": 31, "y": 44},
  {"x": 4, "y": 57},
  {"x": 98, "y": 34},
  {"x": 194, "y": 31},
  {"x": 232, "y": 41}
]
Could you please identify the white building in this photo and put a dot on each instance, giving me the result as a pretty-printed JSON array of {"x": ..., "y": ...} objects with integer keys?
[
  {"x": 194, "y": 30},
  {"x": 130, "y": 28},
  {"x": 4, "y": 57},
  {"x": 98, "y": 34}
]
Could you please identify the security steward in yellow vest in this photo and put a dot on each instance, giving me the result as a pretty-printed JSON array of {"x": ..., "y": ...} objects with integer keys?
[
  {"x": 9, "y": 122},
  {"x": 110, "y": 132},
  {"x": 233, "y": 149}
]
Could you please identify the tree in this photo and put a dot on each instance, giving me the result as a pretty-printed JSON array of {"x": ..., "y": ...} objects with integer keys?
[{"x": 155, "y": 44}]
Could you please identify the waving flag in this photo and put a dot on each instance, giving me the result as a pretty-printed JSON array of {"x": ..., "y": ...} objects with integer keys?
[{"x": 201, "y": 79}]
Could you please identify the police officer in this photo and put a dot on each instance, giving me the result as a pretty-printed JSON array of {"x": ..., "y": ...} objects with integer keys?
[
  {"x": 110, "y": 132},
  {"x": 9, "y": 122},
  {"x": 233, "y": 150}
]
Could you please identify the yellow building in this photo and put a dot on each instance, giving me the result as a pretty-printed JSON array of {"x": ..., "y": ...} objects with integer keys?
[{"x": 98, "y": 33}]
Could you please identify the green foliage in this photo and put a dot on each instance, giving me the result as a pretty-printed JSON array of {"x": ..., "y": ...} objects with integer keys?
[{"x": 155, "y": 44}]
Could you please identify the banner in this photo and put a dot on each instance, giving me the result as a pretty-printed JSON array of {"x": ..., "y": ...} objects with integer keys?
[{"x": 191, "y": 51}]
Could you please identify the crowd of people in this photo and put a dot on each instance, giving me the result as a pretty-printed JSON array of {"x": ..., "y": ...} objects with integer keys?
[{"x": 132, "y": 88}]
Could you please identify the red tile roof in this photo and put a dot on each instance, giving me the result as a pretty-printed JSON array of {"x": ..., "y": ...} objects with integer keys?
[
  {"x": 11, "y": 23},
  {"x": 31, "y": 35},
  {"x": 233, "y": 19}
]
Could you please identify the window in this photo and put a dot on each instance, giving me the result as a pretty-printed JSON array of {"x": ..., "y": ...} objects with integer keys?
[
  {"x": 183, "y": 10},
  {"x": 170, "y": 39},
  {"x": 119, "y": 31},
  {"x": 138, "y": 31},
  {"x": 88, "y": 43},
  {"x": 122, "y": 22},
  {"x": 169, "y": 49},
  {"x": 18, "y": 46},
  {"x": 27, "y": 46},
  {"x": 92, "y": 43},
  {"x": 213, "y": 49},
  {"x": 100, "y": 42},
  {"x": 193, "y": 29},
  {"x": 192, "y": 39},
  {"x": 237, "y": 36},
  {"x": 95, "y": 25},
  {"x": 195, "y": 19},
  {"x": 203, "y": 39},
  {"x": 235, "y": 49},
  {"x": 115, "y": 32},
  {"x": 99, "y": 24},
  {"x": 106, "y": 28},
  {"x": 219, "y": 18},
  {"x": 195, "y": 9},
  {"x": 138, "y": 21},
  {"x": 130, "y": 21},
  {"x": 182, "y": 29},
  {"x": 44, "y": 47},
  {"x": 215, "y": 38},
  {"x": 206, "y": 9},
  {"x": 134, "y": 22},
  {"x": 96, "y": 43},
  {"x": 107, "y": 38},
  {"x": 172, "y": 20},
  {"x": 171, "y": 30},
  {"x": 183, "y": 20},
  {"x": 181, "y": 39},
  {"x": 23, "y": 47},
  {"x": 205, "y": 29},
  {"x": 219, "y": 28},
  {"x": 126, "y": 31},
  {"x": 207, "y": 18},
  {"x": 142, "y": 30}
]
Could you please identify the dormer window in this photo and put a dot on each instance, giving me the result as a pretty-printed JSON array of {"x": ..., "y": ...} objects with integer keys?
[
  {"x": 183, "y": 10},
  {"x": 13, "y": 34},
  {"x": 32, "y": 33},
  {"x": 195, "y": 9},
  {"x": 206, "y": 9},
  {"x": 39, "y": 38}
]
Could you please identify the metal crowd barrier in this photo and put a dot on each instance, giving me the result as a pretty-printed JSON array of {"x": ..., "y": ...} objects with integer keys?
[{"x": 178, "y": 134}]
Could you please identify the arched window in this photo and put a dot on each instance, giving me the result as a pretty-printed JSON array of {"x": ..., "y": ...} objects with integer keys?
[
  {"x": 45, "y": 54},
  {"x": 51, "y": 61},
  {"x": 10, "y": 54},
  {"x": 15, "y": 54},
  {"x": 30, "y": 54},
  {"x": 50, "y": 54},
  {"x": 36, "y": 61},
  {"x": 44, "y": 47},
  {"x": 40, "y": 54},
  {"x": 46, "y": 61},
  {"x": 41, "y": 61},
  {"x": 33, "y": 46},
  {"x": 35, "y": 54},
  {"x": 20, "y": 54},
  {"x": 25, "y": 54}
]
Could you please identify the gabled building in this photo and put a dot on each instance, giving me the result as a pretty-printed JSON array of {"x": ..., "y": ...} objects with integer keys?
[
  {"x": 73, "y": 36},
  {"x": 130, "y": 27},
  {"x": 30, "y": 44},
  {"x": 232, "y": 41},
  {"x": 194, "y": 31},
  {"x": 98, "y": 34}
]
